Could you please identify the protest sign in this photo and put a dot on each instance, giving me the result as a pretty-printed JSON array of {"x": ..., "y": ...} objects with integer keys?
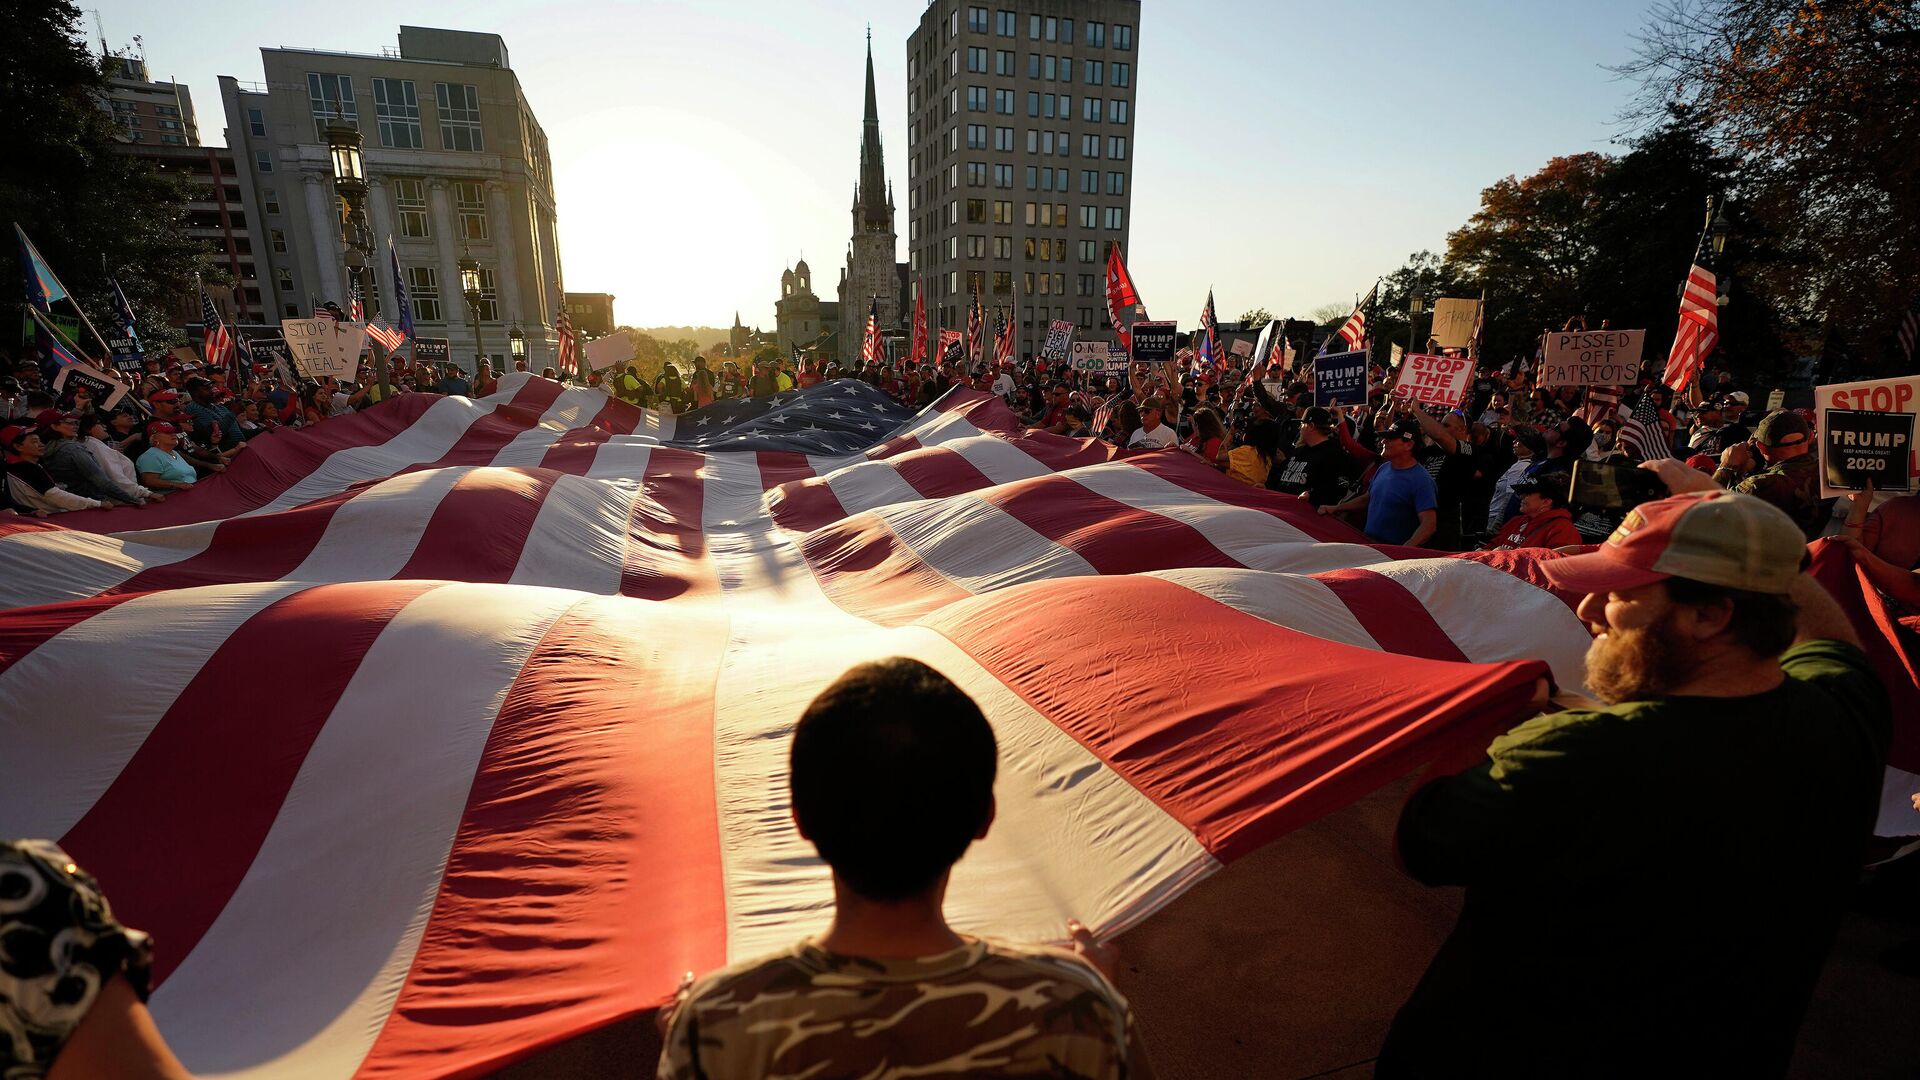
[
  {"x": 1090, "y": 355},
  {"x": 1901, "y": 395},
  {"x": 1154, "y": 342},
  {"x": 1434, "y": 380},
  {"x": 1776, "y": 399},
  {"x": 1453, "y": 321},
  {"x": 324, "y": 348},
  {"x": 1862, "y": 445},
  {"x": 1340, "y": 378},
  {"x": 1117, "y": 358},
  {"x": 439, "y": 350},
  {"x": 1059, "y": 336},
  {"x": 603, "y": 353},
  {"x": 1592, "y": 358},
  {"x": 1240, "y": 347},
  {"x": 105, "y": 390},
  {"x": 950, "y": 347}
]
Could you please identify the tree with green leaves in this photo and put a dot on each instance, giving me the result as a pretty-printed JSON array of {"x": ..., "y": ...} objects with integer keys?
[
  {"x": 94, "y": 213},
  {"x": 1255, "y": 318}
]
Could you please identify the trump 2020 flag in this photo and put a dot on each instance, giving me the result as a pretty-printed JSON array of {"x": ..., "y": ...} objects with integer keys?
[{"x": 403, "y": 308}]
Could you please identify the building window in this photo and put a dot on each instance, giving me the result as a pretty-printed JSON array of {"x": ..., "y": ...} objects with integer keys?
[
  {"x": 1089, "y": 217},
  {"x": 976, "y": 174},
  {"x": 1052, "y": 69},
  {"x": 1116, "y": 183},
  {"x": 489, "y": 305},
  {"x": 1003, "y": 176},
  {"x": 470, "y": 200},
  {"x": 1066, "y": 69},
  {"x": 257, "y": 123},
  {"x": 1119, "y": 112},
  {"x": 277, "y": 240},
  {"x": 331, "y": 98},
  {"x": 976, "y": 209},
  {"x": 1033, "y": 140},
  {"x": 1123, "y": 74},
  {"x": 263, "y": 160},
  {"x": 976, "y": 136},
  {"x": 1003, "y": 213},
  {"x": 459, "y": 116},
  {"x": 1122, "y": 37},
  {"x": 1003, "y": 23},
  {"x": 953, "y": 248},
  {"x": 1003, "y": 247},
  {"x": 1064, "y": 145},
  {"x": 1003, "y": 281},
  {"x": 1090, "y": 146},
  {"x": 423, "y": 292},
  {"x": 1117, "y": 147},
  {"x": 1090, "y": 110},
  {"x": 976, "y": 99},
  {"x": 1003, "y": 102},
  {"x": 269, "y": 200},
  {"x": 1033, "y": 65},
  {"x": 397, "y": 109},
  {"x": 1003, "y": 139},
  {"x": 1003, "y": 63},
  {"x": 1083, "y": 284},
  {"x": 410, "y": 203},
  {"x": 1089, "y": 251},
  {"x": 1097, "y": 34},
  {"x": 1052, "y": 28},
  {"x": 173, "y": 140},
  {"x": 1089, "y": 181},
  {"x": 1066, "y": 31},
  {"x": 1094, "y": 71},
  {"x": 1115, "y": 217},
  {"x": 1033, "y": 28},
  {"x": 1033, "y": 178},
  {"x": 976, "y": 247},
  {"x": 284, "y": 278},
  {"x": 953, "y": 63},
  {"x": 977, "y": 59},
  {"x": 1033, "y": 103},
  {"x": 977, "y": 20}
]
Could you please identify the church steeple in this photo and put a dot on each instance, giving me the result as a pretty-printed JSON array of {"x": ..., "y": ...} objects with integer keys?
[{"x": 872, "y": 200}]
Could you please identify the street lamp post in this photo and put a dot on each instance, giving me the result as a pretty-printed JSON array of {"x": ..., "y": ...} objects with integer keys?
[
  {"x": 350, "y": 182},
  {"x": 1415, "y": 305},
  {"x": 516, "y": 344},
  {"x": 470, "y": 287}
]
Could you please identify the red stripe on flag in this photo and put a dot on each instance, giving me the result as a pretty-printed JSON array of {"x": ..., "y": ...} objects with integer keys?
[
  {"x": 869, "y": 572},
  {"x": 586, "y": 872},
  {"x": 1391, "y": 615},
  {"x": 491, "y": 433},
  {"x": 1111, "y": 535},
  {"x": 573, "y": 452},
  {"x": 805, "y": 505},
  {"x": 265, "y": 547},
  {"x": 666, "y": 552},
  {"x": 173, "y": 835},
  {"x": 936, "y": 472},
  {"x": 1304, "y": 726},
  {"x": 479, "y": 528}
]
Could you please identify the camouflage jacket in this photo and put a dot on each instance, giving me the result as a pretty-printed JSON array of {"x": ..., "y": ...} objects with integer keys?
[
  {"x": 988, "y": 1008},
  {"x": 1794, "y": 486}
]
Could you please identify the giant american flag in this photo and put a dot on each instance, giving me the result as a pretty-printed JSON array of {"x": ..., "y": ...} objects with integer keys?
[
  {"x": 451, "y": 729},
  {"x": 1699, "y": 327}
]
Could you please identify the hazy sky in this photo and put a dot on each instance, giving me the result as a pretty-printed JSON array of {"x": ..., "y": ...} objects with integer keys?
[{"x": 1286, "y": 153}]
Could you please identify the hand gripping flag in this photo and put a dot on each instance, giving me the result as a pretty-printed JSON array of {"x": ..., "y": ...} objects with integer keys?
[
  {"x": 402, "y": 307},
  {"x": 549, "y": 650},
  {"x": 1122, "y": 299}
]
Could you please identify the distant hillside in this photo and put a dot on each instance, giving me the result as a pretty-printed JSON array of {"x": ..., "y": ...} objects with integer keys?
[{"x": 704, "y": 337}]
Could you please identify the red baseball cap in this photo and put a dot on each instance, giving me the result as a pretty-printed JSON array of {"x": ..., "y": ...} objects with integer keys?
[
  {"x": 161, "y": 427},
  {"x": 164, "y": 395},
  {"x": 50, "y": 417},
  {"x": 1716, "y": 537},
  {"x": 11, "y": 435}
]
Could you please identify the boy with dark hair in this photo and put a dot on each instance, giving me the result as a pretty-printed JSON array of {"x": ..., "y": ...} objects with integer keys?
[{"x": 891, "y": 774}]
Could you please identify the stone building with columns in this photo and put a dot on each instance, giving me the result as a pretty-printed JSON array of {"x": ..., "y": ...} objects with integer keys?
[{"x": 456, "y": 164}]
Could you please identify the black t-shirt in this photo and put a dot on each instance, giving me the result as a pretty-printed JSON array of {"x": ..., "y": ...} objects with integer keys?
[
  {"x": 1321, "y": 472},
  {"x": 1651, "y": 887}
]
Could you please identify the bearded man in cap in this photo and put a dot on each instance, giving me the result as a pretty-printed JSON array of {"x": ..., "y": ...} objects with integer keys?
[{"x": 1652, "y": 884}]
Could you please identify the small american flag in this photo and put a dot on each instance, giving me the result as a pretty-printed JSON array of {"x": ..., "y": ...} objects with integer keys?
[
  {"x": 1002, "y": 338},
  {"x": 219, "y": 344},
  {"x": 1643, "y": 435},
  {"x": 1699, "y": 320},
  {"x": 356, "y": 310},
  {"x": 1602, "y": 402},
  {"x": 563, "y": 329},
  {"x": 1909, "y": 332},
  {"x": 870, "y": 351},
  {"x": 389, "y": 338},
  {"x": 976, "y": 328},
  {"x": 329, "y": 310},
  {"x": 1209, "y": 346},
  {"x": 1102, "y": 416}
]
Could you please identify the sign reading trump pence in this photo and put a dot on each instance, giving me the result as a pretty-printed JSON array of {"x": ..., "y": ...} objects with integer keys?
[
  {"x": 1591, "y": 358},
  {"x": 1434, "y": 380},
  {"x": 324, "y": 348},
  {"x": 1340, "y": 378}
]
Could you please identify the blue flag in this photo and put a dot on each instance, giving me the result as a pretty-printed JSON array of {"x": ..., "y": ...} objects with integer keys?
[
  {"x": 42, "y": 287},
  {"x": 403, "y": 310}
]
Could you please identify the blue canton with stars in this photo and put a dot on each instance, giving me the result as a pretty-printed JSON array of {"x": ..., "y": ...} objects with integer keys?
[{"x": 844, "y": 416}]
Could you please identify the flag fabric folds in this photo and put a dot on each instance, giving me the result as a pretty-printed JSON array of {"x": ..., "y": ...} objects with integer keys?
[
  {"x": 1354, "y": 330},
  {"x": 123, "y": 311},
  {"x": 389, "y": 338},
  {"x": 870, "y": 351},
  {"x": 918, "y": 355},
  {"x": 42, "y": 287},
  {"x": 217, "y": 346},
  {"x": 976, "y": 332},
  {"x": 1122, "y": 297},
  {"x": 402, "y": 307},
  {"x": 1643, "y": 435},
  {"x": 550, "y": 647},
  {"x": 1002, "y": 337},
  {"x": 1207, "y": 348},
  {"x": 567, "y": 360},
  {"x": 1699, "y": 329}
]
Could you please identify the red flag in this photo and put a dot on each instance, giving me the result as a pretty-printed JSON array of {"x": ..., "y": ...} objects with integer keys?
[{"x": 1121, "y": 296}]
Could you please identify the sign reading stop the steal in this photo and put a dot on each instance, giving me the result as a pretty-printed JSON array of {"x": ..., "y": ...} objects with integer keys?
[
  {"x": 325, "y": 348},
  {"x": 1434, "y": 380}
]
